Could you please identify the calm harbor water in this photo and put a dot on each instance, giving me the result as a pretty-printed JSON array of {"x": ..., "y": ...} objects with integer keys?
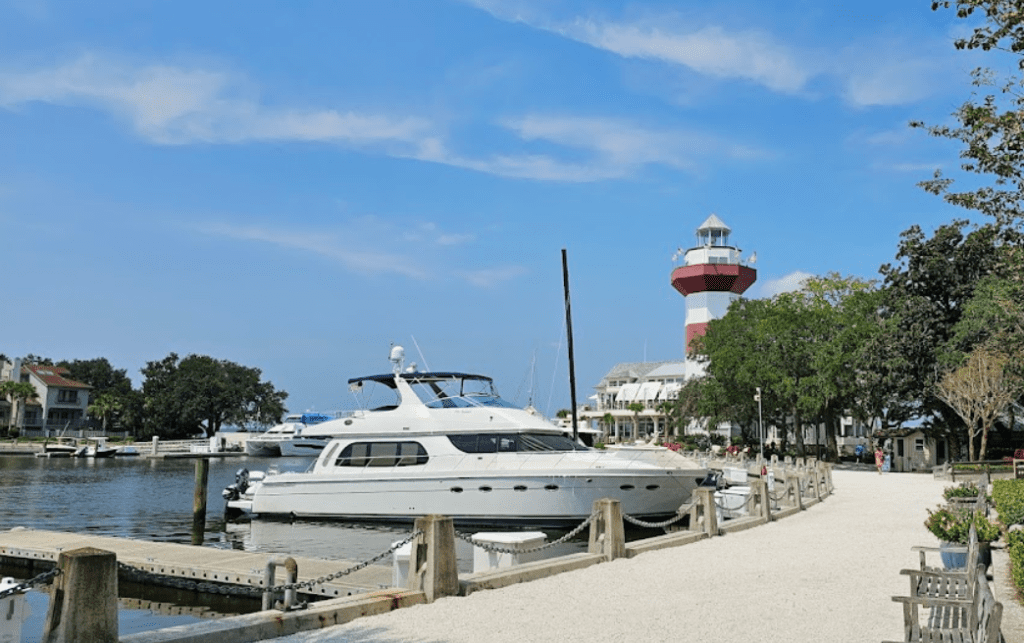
[{"x": 152, "y": 500}]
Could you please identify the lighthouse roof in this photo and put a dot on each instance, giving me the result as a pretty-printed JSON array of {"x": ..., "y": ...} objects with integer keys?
[{"x": 714, "y": 223}]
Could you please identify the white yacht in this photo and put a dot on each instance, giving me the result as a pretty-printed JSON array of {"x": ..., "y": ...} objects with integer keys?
[
  {"x": 446, "y": 443},
  {"x": 277, "y": 439}
]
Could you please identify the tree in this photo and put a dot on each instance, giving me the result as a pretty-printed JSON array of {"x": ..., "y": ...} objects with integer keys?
[
  {"x": 979, "y": 391},
  {"x": 201, "y": 394},
  {"x": 636, "y": 408},
  {"x": 990, "y": 127},
  {"x": 18, "y": 394},
  {"x": 105, "y": 406},
  {"x": 111, "y": 388},
  {"x": 607, "y": 421}
]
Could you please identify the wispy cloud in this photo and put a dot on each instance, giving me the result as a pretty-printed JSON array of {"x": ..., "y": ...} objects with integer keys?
[
  {"x": 867, "y": 73},
  {"x": 171, "y": 105},
  {"x": 361, "y": 250}
]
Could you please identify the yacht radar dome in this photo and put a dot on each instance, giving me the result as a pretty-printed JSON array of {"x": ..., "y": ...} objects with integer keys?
[{"x": 397, "y": 358}]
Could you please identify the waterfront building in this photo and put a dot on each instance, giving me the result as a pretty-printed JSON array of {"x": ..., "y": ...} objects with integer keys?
[{"x": 60, "y": 402}]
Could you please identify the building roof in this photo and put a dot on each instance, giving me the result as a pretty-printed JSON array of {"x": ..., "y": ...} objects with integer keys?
[
  {"x": 640, "y": 370},
  {"x": 53, "y": 376}
]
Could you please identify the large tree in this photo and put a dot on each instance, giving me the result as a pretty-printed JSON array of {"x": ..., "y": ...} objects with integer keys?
[
  {"x": 111, "y": 393},
  {"x": 200, "y": 394},
  {"x": 990, "y": 125}
]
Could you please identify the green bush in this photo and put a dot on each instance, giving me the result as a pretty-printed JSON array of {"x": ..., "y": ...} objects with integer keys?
[
  {"x": 1015, "y": 542},
  {"x": 962, "y": 490},
  {"x": 954, "y": 525},
  {"x": 1008, "y": 497}
]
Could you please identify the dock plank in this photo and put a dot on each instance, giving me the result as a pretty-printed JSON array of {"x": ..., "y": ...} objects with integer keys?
[{"x": 195, "y": 563}]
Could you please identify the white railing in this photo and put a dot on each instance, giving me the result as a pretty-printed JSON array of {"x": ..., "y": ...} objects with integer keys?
[{"x": 180, "y": 446}]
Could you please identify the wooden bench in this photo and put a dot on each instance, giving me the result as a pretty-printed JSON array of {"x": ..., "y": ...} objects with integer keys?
[{"x": 953, "y": 620}]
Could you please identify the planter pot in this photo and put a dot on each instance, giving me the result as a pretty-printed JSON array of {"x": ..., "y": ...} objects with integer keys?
[
  {"x": 952, "y": 559},
  {"x": 958, "y": 559}
]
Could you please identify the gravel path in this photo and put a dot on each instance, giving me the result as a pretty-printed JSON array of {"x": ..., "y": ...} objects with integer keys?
[{"x": 825, "y": 574}]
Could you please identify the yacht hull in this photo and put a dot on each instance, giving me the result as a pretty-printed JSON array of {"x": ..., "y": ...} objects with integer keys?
[{"x": 483, "y": 498}]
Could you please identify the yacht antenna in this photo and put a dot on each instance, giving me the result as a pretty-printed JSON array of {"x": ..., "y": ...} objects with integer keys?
[
  {"x": 568, "y": 326},
  {"x": 425, "y": 365}
]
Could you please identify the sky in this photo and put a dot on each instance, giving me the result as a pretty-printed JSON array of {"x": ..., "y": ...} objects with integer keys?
[{"x": 296, "y": 186}]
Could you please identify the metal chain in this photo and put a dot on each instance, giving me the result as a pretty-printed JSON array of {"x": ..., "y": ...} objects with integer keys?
[
  {"x": 41, "y": 579},
  {"x": 682, "y": 511},
  {"x": 497, "y": 549},
  {"x": 236, "y": 590}
]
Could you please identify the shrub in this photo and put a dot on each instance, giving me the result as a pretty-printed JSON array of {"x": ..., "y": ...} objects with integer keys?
[
  {"x": 954, "y": 525},
  {"x": 1015, "y": 540},
  {"x": 1008, "y": 497},
  {"x": 963, "y": 490}
]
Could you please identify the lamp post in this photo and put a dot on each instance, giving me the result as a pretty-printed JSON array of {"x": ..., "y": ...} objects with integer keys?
[{"x": 760, "y": 422}]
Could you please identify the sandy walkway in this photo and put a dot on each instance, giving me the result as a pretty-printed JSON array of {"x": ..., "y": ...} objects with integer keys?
[{"x": 826, "y": 574}]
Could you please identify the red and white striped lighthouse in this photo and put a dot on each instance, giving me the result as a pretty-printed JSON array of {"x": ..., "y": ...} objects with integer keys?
[{"x": 712, "y": 276}]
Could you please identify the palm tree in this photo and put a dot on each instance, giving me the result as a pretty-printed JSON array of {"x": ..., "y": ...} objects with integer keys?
[
  {"x": 104, "y": 407},
  {"x": 609, "y": 420},
  {"x": 636, "y": 407},
  {"x": 18, "y": 394}
]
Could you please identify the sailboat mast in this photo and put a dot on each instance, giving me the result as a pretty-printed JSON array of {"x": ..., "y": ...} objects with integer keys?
[{"x": 572, "y": 361}]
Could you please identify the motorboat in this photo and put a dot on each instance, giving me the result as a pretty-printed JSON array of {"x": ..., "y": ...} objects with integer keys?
[
  {"x": 270, "y": 442},
  {"x": 96, "y": 448},
  {"x": 62, "y": 448},
  {"x": 446, "y": 443}
]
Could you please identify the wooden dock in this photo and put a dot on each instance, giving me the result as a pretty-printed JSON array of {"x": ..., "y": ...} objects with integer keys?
[{"x": 22, "y": 546}]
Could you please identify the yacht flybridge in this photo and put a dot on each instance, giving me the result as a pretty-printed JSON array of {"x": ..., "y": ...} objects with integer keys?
[{"x": 446, "y": 443}]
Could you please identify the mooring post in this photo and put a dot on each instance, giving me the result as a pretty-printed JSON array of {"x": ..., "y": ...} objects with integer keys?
[
  {"x": 291, "y": 577},
  {"x": 706, "y": 496},
  {"x": 607, "y": 533},
  {"x": 199, "y": 501},
  {"x": 434, "y": 568},
  {"x": 83, "y": 606},
  {"x": 759, "y": 489}
]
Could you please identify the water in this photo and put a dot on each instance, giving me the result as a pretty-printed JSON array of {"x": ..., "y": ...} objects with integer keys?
[{"x": 152, "y": 500}]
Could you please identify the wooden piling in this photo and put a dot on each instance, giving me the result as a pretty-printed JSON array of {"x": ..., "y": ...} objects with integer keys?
[
  {"x": 199, "y": 501},
  {"x": 83, "y": 606},
  {"x": 433, "y": 567},
  {"x": 607, "y": 533}
]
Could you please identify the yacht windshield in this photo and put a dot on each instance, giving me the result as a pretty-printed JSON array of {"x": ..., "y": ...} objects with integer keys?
[
  {"x": 457, "y": 391},
  {"x": 511, "y": 442}
]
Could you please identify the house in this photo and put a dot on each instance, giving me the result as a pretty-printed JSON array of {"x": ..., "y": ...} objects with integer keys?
[{"x": 60, "y": 402}]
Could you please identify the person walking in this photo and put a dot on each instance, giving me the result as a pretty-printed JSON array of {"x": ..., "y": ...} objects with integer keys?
[{"x": 879, "y": 458}]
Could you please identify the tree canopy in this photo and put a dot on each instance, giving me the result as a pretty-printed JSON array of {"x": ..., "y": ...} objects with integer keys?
[{"x": 200, "y": 394}]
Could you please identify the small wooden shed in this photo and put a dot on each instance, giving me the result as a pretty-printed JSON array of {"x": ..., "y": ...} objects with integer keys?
[{"x": 914, "y": 448}]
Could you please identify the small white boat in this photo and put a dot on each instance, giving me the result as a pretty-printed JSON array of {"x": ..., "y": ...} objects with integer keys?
[
  {"x": 97, "y": 448},
  {"x": 446, "y": 443},
  {"x": 278, "y": 439}
]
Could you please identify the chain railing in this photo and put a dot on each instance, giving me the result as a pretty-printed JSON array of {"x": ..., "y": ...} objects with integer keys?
[
  {"x": 41, "y": 579},
  {"x": 498, "y": 549},
  {"x": 251, "y": 591},
  {"x": 680, "y": 514}
]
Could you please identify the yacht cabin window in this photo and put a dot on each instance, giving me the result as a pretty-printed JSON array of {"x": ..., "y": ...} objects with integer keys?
[
  {"x": 381, "y": 454},
  {"x": 511, "y": 442}
]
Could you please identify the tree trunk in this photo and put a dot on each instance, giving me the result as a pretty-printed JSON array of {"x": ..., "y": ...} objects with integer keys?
[
  {"x": 798, "y": 432},
  {"x": 831, "y": 433}
]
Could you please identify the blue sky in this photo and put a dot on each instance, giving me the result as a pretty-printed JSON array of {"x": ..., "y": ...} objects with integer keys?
[{"x": 295, "y": 186}]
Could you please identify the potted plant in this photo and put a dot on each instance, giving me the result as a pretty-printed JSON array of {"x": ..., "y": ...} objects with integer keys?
[{"x": 953, "y": 526}]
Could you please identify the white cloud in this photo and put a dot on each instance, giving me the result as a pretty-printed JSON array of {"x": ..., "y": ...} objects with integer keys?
[
  {"x": 171, "y": 105},
  {"x": 712, "y": 51},
  {"x": 360, "y": 249},
  {"x": 788, "y": 283}
]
